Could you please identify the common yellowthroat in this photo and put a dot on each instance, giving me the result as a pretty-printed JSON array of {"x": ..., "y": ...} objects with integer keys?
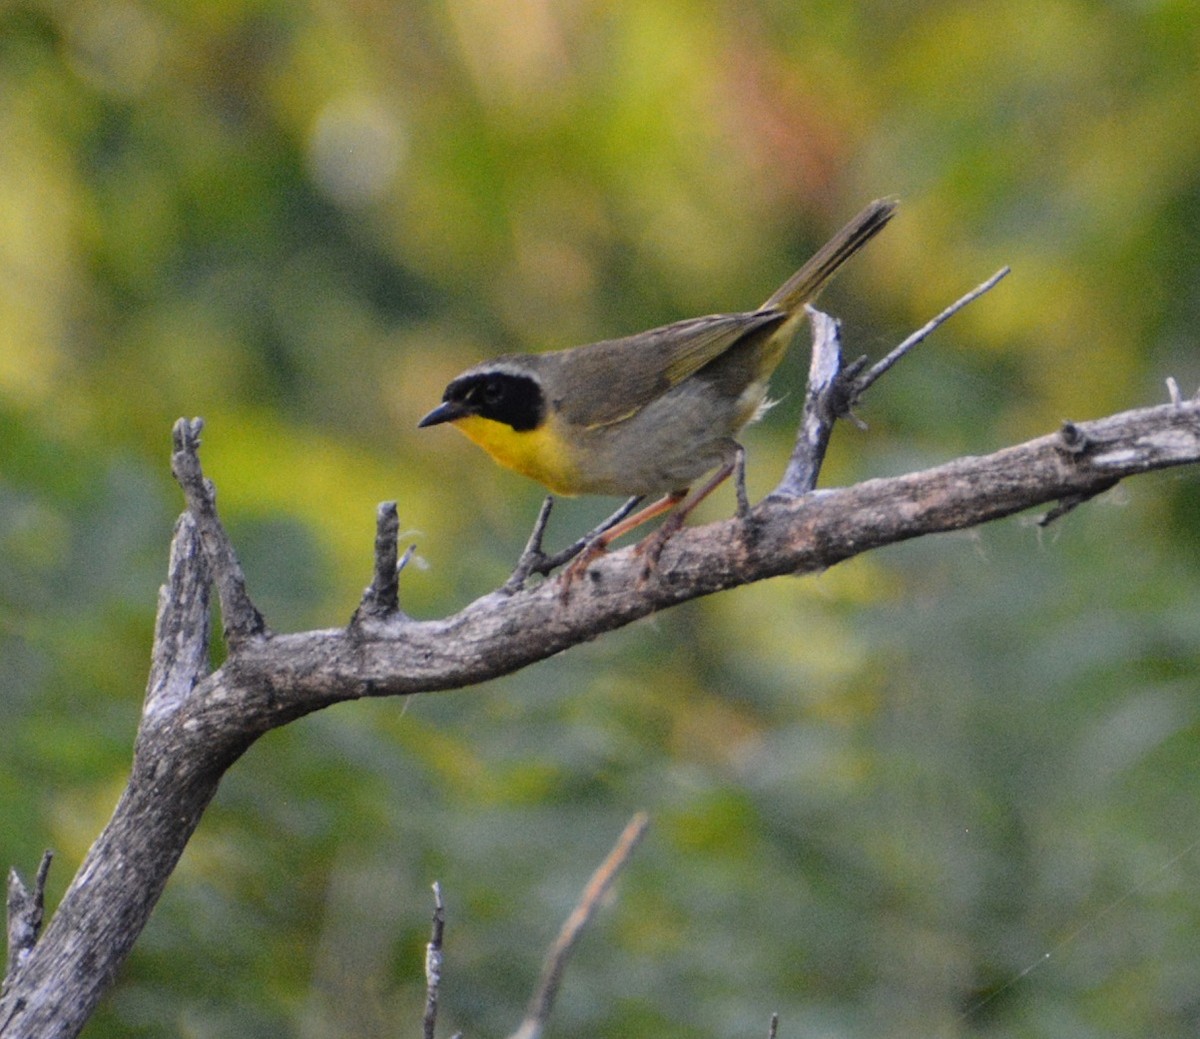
[{"x": 648, "y": 413}]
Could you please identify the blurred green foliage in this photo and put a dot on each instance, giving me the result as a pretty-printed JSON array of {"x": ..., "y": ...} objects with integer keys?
[{"x": 947, "y": 790}]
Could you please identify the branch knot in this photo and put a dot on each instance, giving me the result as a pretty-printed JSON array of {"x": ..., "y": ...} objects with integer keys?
[{"x": 1073, "y": 440}]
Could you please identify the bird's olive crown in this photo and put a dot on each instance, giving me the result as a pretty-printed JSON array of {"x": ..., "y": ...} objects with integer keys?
[{"x": 502, "y": 396}]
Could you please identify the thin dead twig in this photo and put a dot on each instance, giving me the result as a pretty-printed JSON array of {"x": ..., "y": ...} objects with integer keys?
[
  {"x": 560, "y": 952},
  {"x": 26, "y": 911},
  {"x": 433, "y": 963},
  {"x": 863, "y": 382}
]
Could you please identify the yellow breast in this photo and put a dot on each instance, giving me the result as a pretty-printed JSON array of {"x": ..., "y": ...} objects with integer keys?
[{"x": 536, "y": 453}]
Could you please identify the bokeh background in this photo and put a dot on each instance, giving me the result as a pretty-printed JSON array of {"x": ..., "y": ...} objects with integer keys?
[{"x": 947, "y": 790}]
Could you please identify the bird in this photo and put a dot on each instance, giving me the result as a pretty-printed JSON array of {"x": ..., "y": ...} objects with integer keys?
[{"x": 649, "y": 413}]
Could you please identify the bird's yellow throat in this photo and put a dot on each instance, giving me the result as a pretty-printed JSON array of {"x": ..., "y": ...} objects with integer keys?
[{"x": 536, "y": 453}]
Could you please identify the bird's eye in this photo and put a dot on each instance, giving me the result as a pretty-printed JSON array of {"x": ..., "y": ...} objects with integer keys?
[{"x": 492, "y": 391}]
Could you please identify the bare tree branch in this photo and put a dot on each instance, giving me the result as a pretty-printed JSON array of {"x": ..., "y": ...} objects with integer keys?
[
  {"x": 821, "y": 408},
  {"x": 573, "y": 927},
  {"x": 289, "y": 674},
  {"x": 176, "y": 768},
  {"x": 195, "y": 724},
  {"x": 179, "y": 658}
]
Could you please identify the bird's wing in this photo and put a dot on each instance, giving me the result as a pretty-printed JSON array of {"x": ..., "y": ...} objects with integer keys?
[{"x": 618, "y": 377}]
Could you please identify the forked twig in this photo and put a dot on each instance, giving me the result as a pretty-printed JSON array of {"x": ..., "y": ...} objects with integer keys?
[
  {"x": 833, "y": 390},
  {"x": 240, "y": 617},
  {"x": 535, "y": 561}
]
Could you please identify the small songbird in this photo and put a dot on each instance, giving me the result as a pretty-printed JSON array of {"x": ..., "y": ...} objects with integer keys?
[{"x": 649, "y": 413}]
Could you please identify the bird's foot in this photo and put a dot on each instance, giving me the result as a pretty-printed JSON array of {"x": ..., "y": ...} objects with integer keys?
[
  {"x": 650, "y": 547},
  {"x": 578, "y": 566}
]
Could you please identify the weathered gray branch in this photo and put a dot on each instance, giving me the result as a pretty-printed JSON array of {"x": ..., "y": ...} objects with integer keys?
[
  {"x": 175, "y": 773},
  {"x": 274, "y": 679},
  {"x": 382, "y": 597},
  {"x": 240, "y": 617},
  {"x": 195, "y": 724}
]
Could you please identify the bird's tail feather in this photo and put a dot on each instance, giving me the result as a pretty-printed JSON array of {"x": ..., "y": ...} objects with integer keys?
[{"x": 804, "y": 285}]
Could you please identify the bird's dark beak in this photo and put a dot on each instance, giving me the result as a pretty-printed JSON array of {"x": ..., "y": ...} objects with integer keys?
[{"x": 447, "y": 411}]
